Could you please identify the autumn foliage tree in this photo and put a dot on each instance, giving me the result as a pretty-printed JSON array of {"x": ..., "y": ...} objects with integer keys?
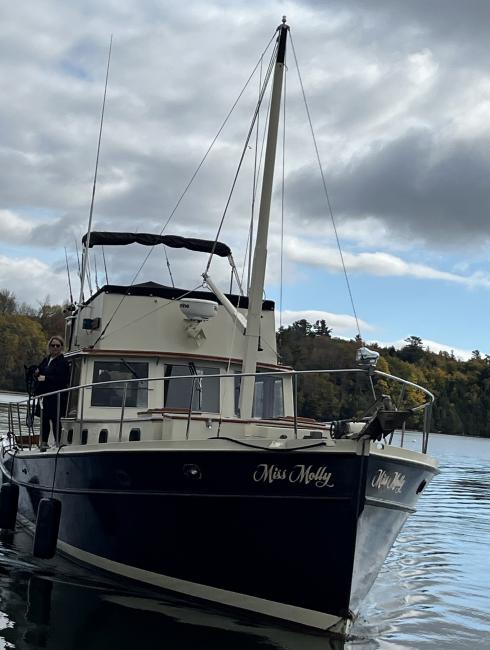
[
  {"x": 461, "y": 388},
  {"x": 24, "y": 332}
]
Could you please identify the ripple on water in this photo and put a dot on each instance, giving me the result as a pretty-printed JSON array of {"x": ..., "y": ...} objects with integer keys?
[{"x": 433, "y": 590}]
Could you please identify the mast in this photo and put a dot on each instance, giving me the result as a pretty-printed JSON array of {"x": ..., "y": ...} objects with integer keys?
[{"x": 252, "y": 333}]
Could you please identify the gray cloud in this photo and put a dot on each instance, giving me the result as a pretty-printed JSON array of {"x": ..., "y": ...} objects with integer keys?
[
  {"x": 395, "y": 89},
  {"x": 434, "y": 191},
  {"x": 446, "y": 23}
]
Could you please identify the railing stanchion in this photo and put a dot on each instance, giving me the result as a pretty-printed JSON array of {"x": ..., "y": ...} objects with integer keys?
[
  {"x": 403, "y": 434},
  {"x": 57, "y": 433},
  {"x": 10, "y": 425},
  {"x": 370, "y": 377},
  {"x": 41, "y": 413},
  {"x": 20, "y": 426},
  {"x": 427, "y": 420},
  {"x": 123, "y": 406},
  {"x": 401, "y": 397},
  {"x": 30, "y": 422},
  {"x": 190, "y": 409},
  {"x": 82, "y": 399},
  {"x": 295, "y": 404}
]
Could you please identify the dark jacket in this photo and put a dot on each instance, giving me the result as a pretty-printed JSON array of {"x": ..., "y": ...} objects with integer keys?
[{"x": 57, "y": 375}]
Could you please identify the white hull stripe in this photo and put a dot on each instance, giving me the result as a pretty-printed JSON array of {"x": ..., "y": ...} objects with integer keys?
[{"x": 299, "y": 615}]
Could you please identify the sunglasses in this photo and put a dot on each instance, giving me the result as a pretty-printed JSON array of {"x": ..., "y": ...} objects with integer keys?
[{"x": 55, "y": 345}]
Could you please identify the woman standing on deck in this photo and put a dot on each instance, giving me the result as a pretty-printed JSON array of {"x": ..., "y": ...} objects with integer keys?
[{"x": 53, "y": 373}]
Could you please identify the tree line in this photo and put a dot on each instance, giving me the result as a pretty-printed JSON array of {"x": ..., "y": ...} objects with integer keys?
[
  {"x": 24, "y": 333},
  {"x": 461, "y": 388}
]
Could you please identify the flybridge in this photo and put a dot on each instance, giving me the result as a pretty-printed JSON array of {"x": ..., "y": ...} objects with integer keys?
[{"x": 110, "y": 238}]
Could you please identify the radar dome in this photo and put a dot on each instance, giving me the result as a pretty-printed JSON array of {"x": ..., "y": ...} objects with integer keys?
[{"x": 196, "y": 309}]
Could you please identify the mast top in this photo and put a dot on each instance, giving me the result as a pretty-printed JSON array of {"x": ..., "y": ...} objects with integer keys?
[{"x": 283, "y": 30}]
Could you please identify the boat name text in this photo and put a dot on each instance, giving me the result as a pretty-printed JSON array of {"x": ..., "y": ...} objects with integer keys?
[
  {"x": 393, "y": 481},
  {"x": 319, "y": 476}
]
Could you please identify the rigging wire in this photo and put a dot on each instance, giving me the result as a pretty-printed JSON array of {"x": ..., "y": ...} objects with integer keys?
[
  {"x": 153, "y": 311},
  {"x": 257, "y": 169},
  {"x": 263, "y": 143},
  {"x": 85, "y": 258},
  {"x": 249, "y": 244},
  {"x": 218, "y": 133},
  {"x": 254, "y": 190},
  {"x": 326, "y": 191},
  {"x": 184, "y": 192},
  {"x": 232, "y": 345},
  {"x": 244, "y": 150}
]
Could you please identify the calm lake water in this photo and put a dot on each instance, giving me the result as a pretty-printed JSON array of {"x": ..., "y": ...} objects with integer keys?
[{"x": 433, "y": 591}]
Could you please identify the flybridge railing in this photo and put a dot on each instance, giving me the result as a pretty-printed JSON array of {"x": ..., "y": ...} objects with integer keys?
[{"x": 24, "y": 411}]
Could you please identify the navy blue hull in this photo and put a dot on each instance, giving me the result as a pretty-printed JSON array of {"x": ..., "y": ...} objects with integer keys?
[{"x": 277, "y": 526}]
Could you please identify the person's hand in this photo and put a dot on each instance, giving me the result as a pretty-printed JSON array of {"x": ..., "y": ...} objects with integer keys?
[
  {"x": 36, "y": 372},
  {"x": 41, "y": 377}
]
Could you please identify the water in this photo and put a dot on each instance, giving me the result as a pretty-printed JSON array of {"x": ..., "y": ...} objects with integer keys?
[{"x": 433, "y": 590}]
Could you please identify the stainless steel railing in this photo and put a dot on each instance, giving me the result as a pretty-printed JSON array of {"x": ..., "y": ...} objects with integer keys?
[{"x": 17, "y": 410}]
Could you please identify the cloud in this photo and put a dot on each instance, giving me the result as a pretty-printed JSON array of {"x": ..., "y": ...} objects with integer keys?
[
  {"x": 377, "y": 263},
  {"x": 32, "y": 281},
  {"x": 377, "y": 110},
  {"x": 418, "y": 186},
  {"x": 14, "y": 228},
  {"x": 433, "y": 346},
  {"x": 341, "y": 324}
]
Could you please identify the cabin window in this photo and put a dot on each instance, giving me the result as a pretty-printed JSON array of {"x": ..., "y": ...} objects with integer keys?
[
  {"x": 268, "y": 397},
  {"x": 76, "y": 370},
  {"x": 113, "y": 394},
  {"x": 196, "y": 391}
]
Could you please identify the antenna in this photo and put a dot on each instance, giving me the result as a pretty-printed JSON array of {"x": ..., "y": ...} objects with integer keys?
[
  {"x": 96, "y": 274},
  {"x": 105, "y": 267},
  {"x": 69, "y": 279},
  {"x": 78, "y": 259},
  {"x": 87, "y": 241},
  {"x": 168, "y": 267}
]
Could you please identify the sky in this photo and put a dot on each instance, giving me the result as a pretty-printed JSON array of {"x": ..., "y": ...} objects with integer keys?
[{"x": 398, "y": 94}]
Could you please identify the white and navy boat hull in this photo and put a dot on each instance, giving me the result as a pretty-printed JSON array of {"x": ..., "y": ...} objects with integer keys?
[{"x": 299, "y": 535}]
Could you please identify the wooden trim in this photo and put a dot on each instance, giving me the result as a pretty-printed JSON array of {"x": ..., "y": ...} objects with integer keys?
[
  {"x": 166, "y": 355},
  {"x": 283, "y": 422}
]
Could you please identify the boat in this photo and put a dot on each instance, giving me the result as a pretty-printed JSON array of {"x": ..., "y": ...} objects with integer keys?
[{"x": 182, "y": 461}]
